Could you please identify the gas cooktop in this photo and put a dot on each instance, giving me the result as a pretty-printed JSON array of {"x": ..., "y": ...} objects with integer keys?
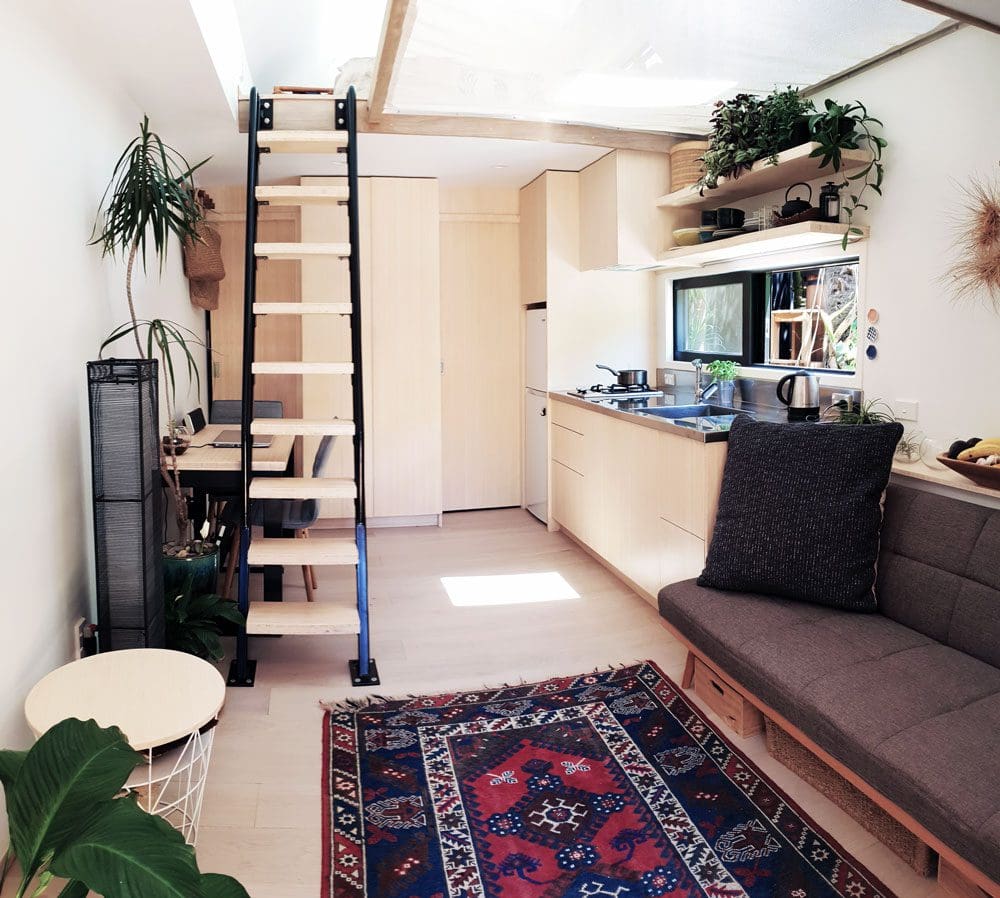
[{"x": 605, "y": 391}]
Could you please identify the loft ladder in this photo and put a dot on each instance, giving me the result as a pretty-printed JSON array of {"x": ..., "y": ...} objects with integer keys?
[{"x": 298, "y": 618}]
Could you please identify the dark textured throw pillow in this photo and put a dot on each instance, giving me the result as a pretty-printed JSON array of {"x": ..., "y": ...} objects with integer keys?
[{"x": 800, "y": 511}]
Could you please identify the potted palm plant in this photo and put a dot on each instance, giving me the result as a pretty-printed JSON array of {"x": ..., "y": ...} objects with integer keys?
[{"x": 150, "y": 199}]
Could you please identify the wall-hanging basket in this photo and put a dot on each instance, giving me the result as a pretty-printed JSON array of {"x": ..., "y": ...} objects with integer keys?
[
  {"x": 203, "y": 267},
  {"x": 686, "y": 167}
]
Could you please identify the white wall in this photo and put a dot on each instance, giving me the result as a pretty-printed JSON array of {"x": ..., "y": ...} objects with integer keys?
[
  {"x": 64, "y": 128},
  {"x": 939, "y": 106}
]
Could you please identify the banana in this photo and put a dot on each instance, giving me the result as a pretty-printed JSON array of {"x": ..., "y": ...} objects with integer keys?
[{"x": 982, "y": 449}]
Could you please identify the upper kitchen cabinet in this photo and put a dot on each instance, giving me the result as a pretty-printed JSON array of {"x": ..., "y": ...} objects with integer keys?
[
  {"x": 620, "y": 226},
  {"x": 533, "y": 242}
]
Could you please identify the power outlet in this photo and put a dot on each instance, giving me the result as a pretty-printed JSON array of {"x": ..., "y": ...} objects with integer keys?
[
  {"x": 905, "y": 409},
  {"x": 668, "y": 379}
]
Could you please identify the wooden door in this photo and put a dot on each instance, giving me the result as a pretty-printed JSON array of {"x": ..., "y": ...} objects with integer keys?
[
  {"x": 327, "y": 338},
  {"x": 481, "y": 353},
  {"x": 278, "y": 337},
  {"x": 405, "y": 373}
]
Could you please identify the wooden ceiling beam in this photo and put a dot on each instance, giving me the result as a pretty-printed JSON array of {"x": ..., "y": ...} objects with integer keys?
[
  {"x": 958, "y": 15},
  {"x": 396, "y": 28},
  {"x": 515, "y": 129},
  {"x": 308, "y": 113}
]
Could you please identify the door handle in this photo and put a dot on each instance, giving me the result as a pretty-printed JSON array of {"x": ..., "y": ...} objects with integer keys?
[{"x": 544, "y": 412}]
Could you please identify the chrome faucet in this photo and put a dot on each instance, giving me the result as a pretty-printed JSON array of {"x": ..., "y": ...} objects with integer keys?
[{"x": 701, "y": 393}]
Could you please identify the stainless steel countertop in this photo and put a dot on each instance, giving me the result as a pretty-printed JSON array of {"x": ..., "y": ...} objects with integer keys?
[{"x": 703, "y": 430}]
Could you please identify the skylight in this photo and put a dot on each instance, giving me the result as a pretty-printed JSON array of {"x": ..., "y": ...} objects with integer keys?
[{"x": 640, "y": 64}]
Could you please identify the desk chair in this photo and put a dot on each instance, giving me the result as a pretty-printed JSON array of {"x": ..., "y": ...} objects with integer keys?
[{"x": 295, "y": 514}]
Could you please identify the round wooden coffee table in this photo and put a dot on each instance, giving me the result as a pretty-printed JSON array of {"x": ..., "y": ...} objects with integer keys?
[{"x": 166, "y": 703}]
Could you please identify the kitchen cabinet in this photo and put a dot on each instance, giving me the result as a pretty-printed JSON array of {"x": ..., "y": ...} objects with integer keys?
[
  {"x": 620, "y": 225},
  {"x": 533, "y": 242},
  {"x": 641, "y": 499}
]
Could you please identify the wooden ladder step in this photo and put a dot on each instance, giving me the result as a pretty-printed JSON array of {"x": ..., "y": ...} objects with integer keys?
[
  {"x": 302, "y": 196},
  {"x": 302, "y": 141},
  {"x": 301, "y": 250},
  {"x": 302, "y": 488},
  {"x": 301, "y": 619},
  {"x": 305, "y": 427},
  {"x": 302, "y": 368},
  {"x": 341, "y": 550},
  {"x": 302, "y": 308}
]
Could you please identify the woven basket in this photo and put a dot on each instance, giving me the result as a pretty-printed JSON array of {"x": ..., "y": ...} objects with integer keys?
[
  {"x": 685, "y": 167},
  {"x": 203, "y": 266},
  {"x": 804, "y": 764}
]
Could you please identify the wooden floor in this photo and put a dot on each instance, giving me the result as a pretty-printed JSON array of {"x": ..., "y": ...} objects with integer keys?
[{"x": 261, "y": 819}]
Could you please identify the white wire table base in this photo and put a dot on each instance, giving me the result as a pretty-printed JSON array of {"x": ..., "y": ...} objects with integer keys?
[{"x": 172, "y": 785}]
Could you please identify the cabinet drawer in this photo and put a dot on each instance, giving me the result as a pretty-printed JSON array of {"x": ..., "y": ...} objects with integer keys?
[
  {"x": 567, "y": 447},
  {"x": 571, "y": 417},
  {"x": 725, "y": 700},
  {"x": 568, "y": 499}
]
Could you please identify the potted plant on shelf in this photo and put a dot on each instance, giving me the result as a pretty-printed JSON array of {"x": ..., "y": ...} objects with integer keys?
[
  {"x": 152, "y": 195},
  {"x": 725, "y": 372},
  {"x": 748, "y": 128},
  {"x": 849, "y": 127},
  {"x": 70, "y": 818}
]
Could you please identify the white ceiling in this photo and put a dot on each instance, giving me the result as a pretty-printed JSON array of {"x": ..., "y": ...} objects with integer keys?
[{"x": 987, "y": 10}]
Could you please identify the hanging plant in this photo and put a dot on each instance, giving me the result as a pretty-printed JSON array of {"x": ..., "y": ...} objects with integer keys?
[
  {"x": 975, "y": 273},
  {"x": 849, "y": 127}
]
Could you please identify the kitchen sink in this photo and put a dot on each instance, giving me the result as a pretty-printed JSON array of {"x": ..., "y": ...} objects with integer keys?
[{"x": 688, "y": 411}]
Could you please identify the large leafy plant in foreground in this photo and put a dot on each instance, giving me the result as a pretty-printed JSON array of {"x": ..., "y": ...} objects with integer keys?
[{"x": 69, "y": 819}]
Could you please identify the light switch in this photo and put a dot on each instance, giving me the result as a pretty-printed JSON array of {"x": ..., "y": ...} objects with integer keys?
[{"x": 905, "y": 409}]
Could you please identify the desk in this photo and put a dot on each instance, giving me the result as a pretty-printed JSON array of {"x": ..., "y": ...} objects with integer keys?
[
  {"x": 156, "y": 698},
  {"x": 211, "y": 471}
]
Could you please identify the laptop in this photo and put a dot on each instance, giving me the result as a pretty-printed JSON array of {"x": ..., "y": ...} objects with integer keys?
[{"x": 230, "y": 439}]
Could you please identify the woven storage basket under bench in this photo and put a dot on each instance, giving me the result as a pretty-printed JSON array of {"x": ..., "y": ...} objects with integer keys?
[{"x": 804, "y": 764}]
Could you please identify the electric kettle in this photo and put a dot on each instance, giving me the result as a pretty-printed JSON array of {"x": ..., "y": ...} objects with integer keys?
[{"x": 800, "y": 392}]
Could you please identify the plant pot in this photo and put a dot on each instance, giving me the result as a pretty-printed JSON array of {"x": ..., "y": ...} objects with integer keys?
[
  {"x": 727, "y": 392},
  {"x": 175, "y": 445},
  {"x": 800, "y": 133},
  {"x": 203, "y": 569}
]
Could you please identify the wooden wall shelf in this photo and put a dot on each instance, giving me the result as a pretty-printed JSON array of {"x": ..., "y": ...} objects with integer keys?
[
  {"x": 804, "y": 235},
  {"x": 793, "y": 165}
]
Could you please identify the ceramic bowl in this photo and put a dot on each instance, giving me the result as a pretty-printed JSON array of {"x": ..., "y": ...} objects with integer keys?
[
  {"x": 730, "y": 218},
  {"x": 686, "y": 236}
]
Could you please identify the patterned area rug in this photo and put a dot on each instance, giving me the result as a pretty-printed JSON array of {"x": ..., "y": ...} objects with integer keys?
[{"x": 605, "y": 785}]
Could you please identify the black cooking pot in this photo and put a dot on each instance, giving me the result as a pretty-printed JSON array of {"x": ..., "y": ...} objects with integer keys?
[
  {"x": 794, "y": 207},
  {"x": 629, "y": 377}
]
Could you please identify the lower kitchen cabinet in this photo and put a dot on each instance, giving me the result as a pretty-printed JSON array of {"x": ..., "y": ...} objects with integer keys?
[{"x": 641, "y": 499}]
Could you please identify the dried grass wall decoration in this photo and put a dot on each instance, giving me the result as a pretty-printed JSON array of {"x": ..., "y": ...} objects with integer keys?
[{"x": 975, "y": 273}]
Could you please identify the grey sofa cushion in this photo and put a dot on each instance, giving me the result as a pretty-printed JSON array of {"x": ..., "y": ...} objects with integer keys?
[
  {"x": 877, "y": 695},
  {"x": 800, "y": 511},
  {"x": 939, "y": 570}
]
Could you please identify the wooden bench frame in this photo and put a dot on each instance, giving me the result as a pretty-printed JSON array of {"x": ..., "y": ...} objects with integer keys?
[{"x": 957, "y": 867}]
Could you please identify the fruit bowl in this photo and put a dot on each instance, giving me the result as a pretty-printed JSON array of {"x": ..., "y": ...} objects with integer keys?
[{"x": 983, "y": 475}]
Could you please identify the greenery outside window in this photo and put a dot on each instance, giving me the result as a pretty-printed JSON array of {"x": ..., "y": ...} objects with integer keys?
[
  {"x": 713, "y": 317},
  {"x": 803, "y": 317}
]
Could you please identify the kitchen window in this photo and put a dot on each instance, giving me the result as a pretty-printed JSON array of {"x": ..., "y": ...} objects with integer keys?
[{"x": 791, "y": 317}]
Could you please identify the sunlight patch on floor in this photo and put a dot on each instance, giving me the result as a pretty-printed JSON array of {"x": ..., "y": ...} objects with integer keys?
[{"x": 508, "y": 589}]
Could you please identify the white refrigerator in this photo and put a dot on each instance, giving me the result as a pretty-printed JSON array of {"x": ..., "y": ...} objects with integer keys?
[{"x": 536, "y": 431}]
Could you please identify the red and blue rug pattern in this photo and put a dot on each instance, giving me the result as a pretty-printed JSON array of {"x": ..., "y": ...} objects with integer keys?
[{"x": 604, "y": 785}]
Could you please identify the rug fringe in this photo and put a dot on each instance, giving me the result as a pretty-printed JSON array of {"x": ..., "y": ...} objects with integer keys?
[{"x": 355, "y": 705}]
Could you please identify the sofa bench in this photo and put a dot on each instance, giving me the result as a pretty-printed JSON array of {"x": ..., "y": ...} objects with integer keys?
[{"x": 905, "y": 703}]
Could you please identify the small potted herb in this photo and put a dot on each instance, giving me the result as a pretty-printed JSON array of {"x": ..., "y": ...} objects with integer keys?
[
  {"x": 725, "y": 372},
  {"x": 837, "y": 128}
]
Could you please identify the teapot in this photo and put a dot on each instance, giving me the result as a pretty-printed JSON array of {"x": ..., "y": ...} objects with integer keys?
[{"x": 794, "y": 207}]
